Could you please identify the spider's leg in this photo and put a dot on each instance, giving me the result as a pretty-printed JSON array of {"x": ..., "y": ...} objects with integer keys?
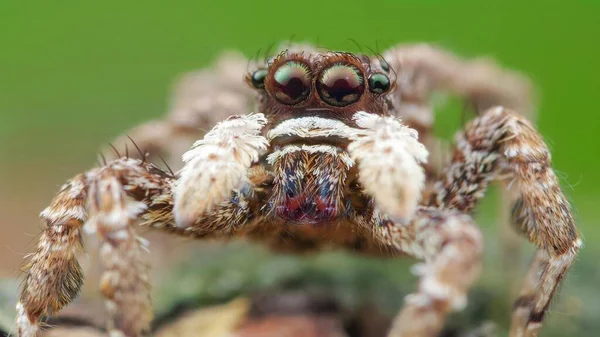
[
  {"x": 423, "y": 72},
  {"x": 215, "y": 186},
  {"x": 498, "y": 143},
  {"x": 53, "y": 274},
  {"x": 110, "y": 202},
  {"x": 112, "y": 216},
  {"x": 450, "y": 245},
  {"x": 95, "y": 201},
  {"x": 389, "y": 159},
  {"x": 103, "y": 201}
]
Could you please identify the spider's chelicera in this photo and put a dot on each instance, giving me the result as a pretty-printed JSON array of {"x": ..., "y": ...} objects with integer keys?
[{"x": 324, "y": 161}]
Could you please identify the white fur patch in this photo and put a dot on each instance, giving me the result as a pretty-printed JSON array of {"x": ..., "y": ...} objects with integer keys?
[
  {"x": 63, "y": 214},
  {"x": 308, "y": 127},
  {"x": 110, "y": 207},
  {"x": 216, "y": 165},
  {"x": 389, "y": 158},
  {"x": 25, "y": 327}
]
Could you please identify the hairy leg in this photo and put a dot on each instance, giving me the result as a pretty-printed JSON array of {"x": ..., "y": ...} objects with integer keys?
[
  {"x": 124, "y": 282},
  {"x": 425, "y": 71},
  {"x": 199, "y": 100},
  {"x": 501, "y": 143},
  {"x": 53, "y": 275},
  {"x": 110, "y": 202},
  {"x": 389, "y": 161},
  {"x": 213, "y": 194},
  {"x": 450, "y": 245}
]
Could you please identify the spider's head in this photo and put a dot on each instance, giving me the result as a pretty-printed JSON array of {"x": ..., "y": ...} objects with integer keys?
[
  {"x": 310, "y": 101},
  {"x": 304, "y": 84}
]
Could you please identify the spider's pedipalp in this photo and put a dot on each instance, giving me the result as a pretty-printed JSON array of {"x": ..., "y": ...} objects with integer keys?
[
  {"x": 217, "y": 165},
  {"x": 389, "y": 158},
  {"x": 503, "y": 142}
]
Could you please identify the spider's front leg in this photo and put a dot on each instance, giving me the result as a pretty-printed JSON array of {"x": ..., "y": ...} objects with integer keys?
[
  {"x": 112, "y": 200},
  {"x": 103, "y": 201},
  {"x": 427, "y": 72},
  {"x": 389, "y": 159},
  {"x": 450, "y": 246},
  {"x": 498, "y": 143}
]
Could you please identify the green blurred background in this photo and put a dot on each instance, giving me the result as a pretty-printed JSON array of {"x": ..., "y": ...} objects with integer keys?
[{"x": 75, "y": 74}]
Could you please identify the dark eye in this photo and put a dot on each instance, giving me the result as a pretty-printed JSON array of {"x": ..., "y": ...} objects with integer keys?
[
  {"x": 291, "y": 83},
  {"x": 258, "y": 78},
  {"x": 379, "y": 83},
  {"x": 384, "y": 65},
  {"x": 340, "y": 85}
]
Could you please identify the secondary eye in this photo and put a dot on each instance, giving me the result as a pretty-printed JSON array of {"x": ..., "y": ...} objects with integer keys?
[
  {"x": 291, "y": 83},
  {"x": 379, "y": 83},
  {"x": 258, "y": 78},
  {"x": 340, "y": 85},
  {"x": 384, "y": 65}
]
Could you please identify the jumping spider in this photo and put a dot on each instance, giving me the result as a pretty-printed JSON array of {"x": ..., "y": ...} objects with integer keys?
[{"x": 325, "y": 161}]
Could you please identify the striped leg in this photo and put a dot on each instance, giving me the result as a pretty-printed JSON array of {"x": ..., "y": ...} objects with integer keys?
[
  {"x": 426, "y": 71},
  {"x": 502, "y": 142},
  {"x": 111, "y": 202},
  {"x": 99, "y": 200},
  {"x": 53, "y": 275}
]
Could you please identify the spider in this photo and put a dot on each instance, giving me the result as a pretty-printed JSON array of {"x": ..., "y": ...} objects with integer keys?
[{"x": 336, "y": 155}]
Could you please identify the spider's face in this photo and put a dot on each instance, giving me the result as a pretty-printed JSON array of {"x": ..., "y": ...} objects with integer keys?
[
  {"x": 310, "y": 101},
  {"x": 305, "y": 84}
]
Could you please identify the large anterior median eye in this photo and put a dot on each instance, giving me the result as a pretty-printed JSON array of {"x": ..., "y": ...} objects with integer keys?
[
  {"x": 340, "y": 85},
  {"x": 291, "y": 83}
]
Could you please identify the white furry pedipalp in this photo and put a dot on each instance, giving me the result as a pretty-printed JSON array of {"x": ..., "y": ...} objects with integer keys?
[
  {"x": 216, "y": 165},
  {"x": 389, "y": 158}
]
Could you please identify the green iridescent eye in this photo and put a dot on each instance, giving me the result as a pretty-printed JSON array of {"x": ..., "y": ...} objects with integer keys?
[
  {"x": 379, "y": 83},
  {"x": 291, "y": 83},
  {"x": 258, "y": 78}
]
